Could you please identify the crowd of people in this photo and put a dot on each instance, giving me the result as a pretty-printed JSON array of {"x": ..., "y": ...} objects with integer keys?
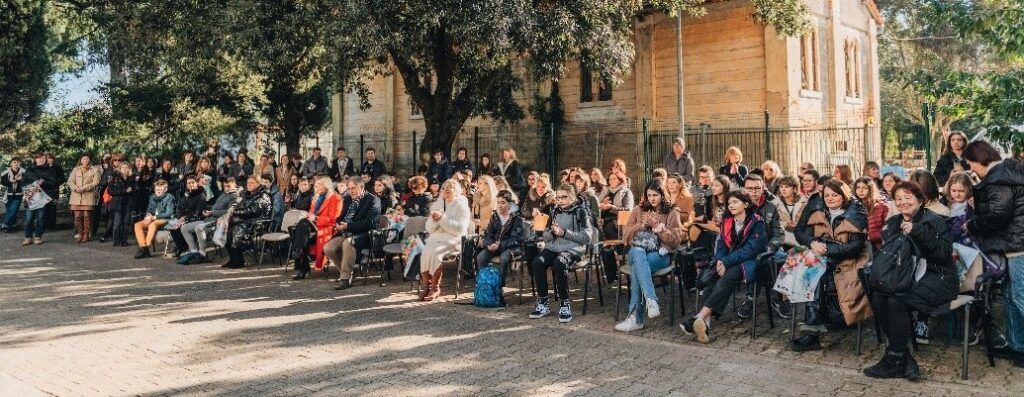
[{"x": 739, "y": 215}]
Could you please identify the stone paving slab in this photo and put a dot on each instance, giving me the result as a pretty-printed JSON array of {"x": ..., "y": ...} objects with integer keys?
[{"x": 83, "y": 320}]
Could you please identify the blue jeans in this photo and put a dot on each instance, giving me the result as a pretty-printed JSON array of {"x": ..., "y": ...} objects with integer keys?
[
  {"x": 13, "y": 204},
  {"x": 641, "y": 265},
  {"x": 34, "y": 222},
  {"x": 1015, "y": 304}
]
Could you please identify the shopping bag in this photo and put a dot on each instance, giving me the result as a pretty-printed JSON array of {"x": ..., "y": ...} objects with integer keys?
[
  {"x": 220, "y": 234},
  {"x": 799, "y": 276},
  {"x": 36, "y": 197}
]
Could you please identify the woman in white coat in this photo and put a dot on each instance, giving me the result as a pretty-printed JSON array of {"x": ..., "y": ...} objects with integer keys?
[{"x": 450, "y": 219}]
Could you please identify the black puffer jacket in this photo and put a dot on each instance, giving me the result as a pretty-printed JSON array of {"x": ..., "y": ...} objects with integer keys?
[
  {"x": 931, "y": 235},
  {"x": 999, "y": 208},
  {"x": 46, "y": 174},
  {"x": 508, "y": 236},
  {"x": 192, "y": 205},
  {"x": 944, "y": 167}
]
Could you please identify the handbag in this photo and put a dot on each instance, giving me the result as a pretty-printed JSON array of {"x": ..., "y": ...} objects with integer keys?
[{"x": 706, "y": 276}]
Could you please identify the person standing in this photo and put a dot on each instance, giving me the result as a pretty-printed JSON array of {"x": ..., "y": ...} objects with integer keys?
[
  {"x": 998, "y": 225},
  {"x": 372, "y": 168},
  {"x": 35, "y": 222},
  {"x": 83, "y": 182},
  {"x": 11, "y": 179},
  {"x": 734, "y": 168},
  {"x": 54, "y": 192},
  {"x": 461, "y": 162},
  {"x": 513, "y": 172},
  {"x": 952, "y": 160},
  {"x": 439, "y": 170},
  {"x": 315, "y": 166},
  {"x": 679, "y": 161},
  {"x": 121, "y": 189},
  {"x": 342, "y": 165}
]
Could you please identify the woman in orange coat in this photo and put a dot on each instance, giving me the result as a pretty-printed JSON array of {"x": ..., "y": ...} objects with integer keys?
[{"x": 323, "y": 213}]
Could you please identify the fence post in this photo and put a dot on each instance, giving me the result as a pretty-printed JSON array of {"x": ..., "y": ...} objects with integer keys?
[
  {"x": 476, "y": 145},
  {"x": 927, "y": 117},
  {"x": 552, "y": 156},
  {"x": 767, "y": 136},
  {"x": 704, "y": 142},
  {"x": 414, "y": 155},
  {"x": 362, "y": 149},
  {"x": 647, "y": 148}
]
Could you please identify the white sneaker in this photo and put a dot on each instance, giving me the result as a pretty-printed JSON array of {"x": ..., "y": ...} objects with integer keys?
[
  {"x": 629, "y": 324},
  {"x": 653, "y": 310},
  {"x": 541, "y": 311}
]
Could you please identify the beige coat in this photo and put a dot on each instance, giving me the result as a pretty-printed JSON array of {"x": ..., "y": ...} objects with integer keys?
[{"x": 86, "y": 180}]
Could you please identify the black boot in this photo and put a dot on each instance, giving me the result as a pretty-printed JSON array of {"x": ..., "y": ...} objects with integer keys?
[
  {"x": 143, "y": 253},
  {"x": 807, "y": 343},
  {"x": 910, "y": 371},
  {"x": 892, "y": 365}
]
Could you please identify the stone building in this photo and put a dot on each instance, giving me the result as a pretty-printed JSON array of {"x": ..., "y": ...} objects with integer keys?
[{"x": 820, "y": 93}]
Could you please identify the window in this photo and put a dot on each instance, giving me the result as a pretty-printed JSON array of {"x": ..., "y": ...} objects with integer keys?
[
  {"x": 853, "y": 69},
  {"x": 587, "y": 80},
  {"x": 809, "y": 61},
  {"x": 586, "y": 85}
]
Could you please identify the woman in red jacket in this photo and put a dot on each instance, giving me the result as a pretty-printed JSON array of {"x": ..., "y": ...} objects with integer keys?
[
  {"x": 323, "y": 213},
  {"x": 878, "y": 209}
]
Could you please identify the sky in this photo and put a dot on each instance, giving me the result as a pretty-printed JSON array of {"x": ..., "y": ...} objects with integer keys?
[{"x": 71, "y": 90}]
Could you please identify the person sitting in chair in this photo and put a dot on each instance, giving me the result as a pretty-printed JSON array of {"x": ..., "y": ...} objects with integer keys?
[
  {"x": 653, "y": 233},
  {"x": 568, "y": 232},
  {"x": 352, "y": 230},
  {"x": 742, "y": 239},
  {"x": 503, "y": 237},
  {"x": 450, "y": 219},
  {"x": 255, "y": 204}
]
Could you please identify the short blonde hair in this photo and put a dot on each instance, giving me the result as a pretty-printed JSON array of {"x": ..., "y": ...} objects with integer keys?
[{"x": 734, "y": 151}]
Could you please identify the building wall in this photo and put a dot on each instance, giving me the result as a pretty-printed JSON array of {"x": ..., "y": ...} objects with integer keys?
[{"x": 734, "y": 68}]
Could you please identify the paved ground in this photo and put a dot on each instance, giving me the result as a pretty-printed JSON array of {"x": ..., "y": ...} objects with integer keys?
[{"x": 90, "y": 320}]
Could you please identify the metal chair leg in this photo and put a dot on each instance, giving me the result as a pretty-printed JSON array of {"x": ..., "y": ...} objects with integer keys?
[
  {"x": 586, "y": 287},
  {"x": 967, "y": 333},
  {"x": 753, "y": 310},
  {"x": 618, "y": 294},
  {"x": 860, "y": 334},
  {"x": 671, "y": 303}
]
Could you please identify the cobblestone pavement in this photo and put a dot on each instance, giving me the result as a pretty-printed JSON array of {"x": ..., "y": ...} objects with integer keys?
[{"x": 90, "y": 320}]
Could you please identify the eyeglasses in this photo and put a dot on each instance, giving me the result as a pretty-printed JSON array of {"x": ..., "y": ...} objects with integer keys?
[{"x": 753, "y": 189}]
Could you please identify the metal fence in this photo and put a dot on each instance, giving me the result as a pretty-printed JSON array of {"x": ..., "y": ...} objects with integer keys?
[{"x": 589, "y": 145}]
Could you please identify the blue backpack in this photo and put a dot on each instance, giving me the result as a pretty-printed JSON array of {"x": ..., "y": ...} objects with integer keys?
[{"x": 488, "y": 291}]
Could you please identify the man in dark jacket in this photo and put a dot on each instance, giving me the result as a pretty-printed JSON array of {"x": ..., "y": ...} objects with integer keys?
[
  {"x": 316, "y": 165},
  {"x": 998, "y": 224},
  {"x": 440, "y": 169},
  {"x": 342, "y": 166},
  {"x": 768, "y": 209},
  {"x": 352, "y": 230},
  {"x": 35, "y": 224},
  {"x": 372, "y": 168},
  {"x": 679, "y": 161}
]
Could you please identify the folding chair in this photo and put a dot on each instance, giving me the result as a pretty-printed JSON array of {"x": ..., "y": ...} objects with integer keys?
[{"x": 291, "y": 218}]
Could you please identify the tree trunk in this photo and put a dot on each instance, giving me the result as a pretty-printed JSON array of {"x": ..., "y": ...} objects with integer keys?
[{"x": 292, "y": 130}]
